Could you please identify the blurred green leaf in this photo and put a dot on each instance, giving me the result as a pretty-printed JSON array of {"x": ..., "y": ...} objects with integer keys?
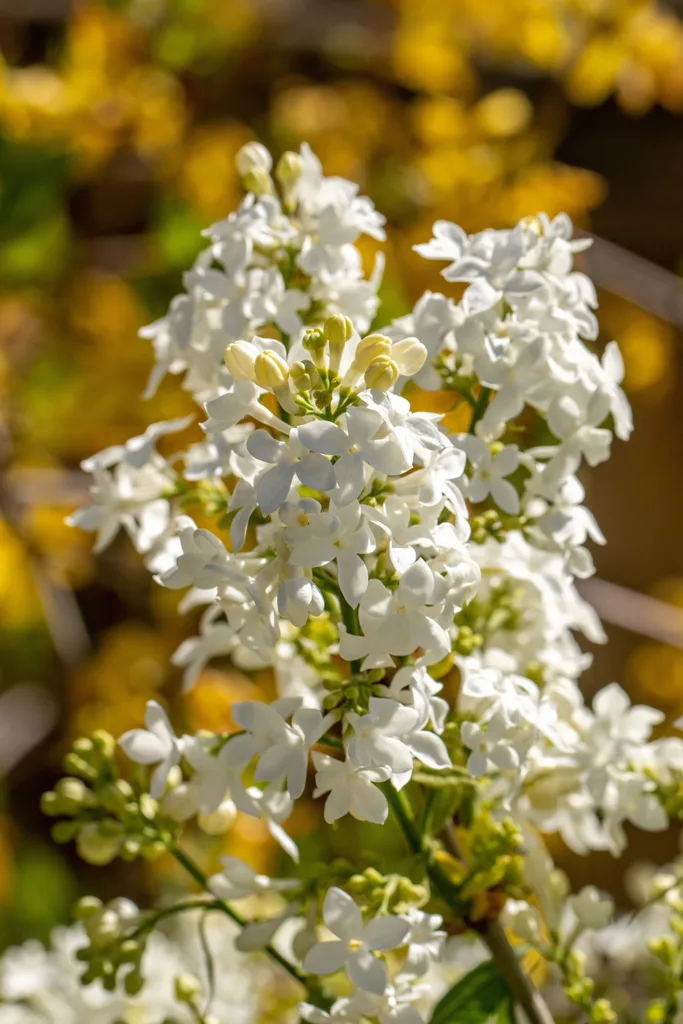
[{"x": 474, "y": 998}]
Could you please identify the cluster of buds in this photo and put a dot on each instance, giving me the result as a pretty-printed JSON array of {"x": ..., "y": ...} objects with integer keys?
[
  {"x": 255, "y": 164},
  {"x": 309, "y": 385},
  {"x": 101, "y": 811},
  {"x": 377, "y": 893},
  {"x": 116, "y": 943}
]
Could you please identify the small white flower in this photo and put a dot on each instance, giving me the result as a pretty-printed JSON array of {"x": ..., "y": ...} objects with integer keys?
[
  {"x": 352, "y": 789},
  {"x": 356, "y": 943},
  {"x": 238, "y": 880},
  {"x": 157, "y": 744},
  {"x": 591, "y": 909}
]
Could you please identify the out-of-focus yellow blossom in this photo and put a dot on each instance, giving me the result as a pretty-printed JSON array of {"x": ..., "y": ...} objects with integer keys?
[
  {"x": 594, "y": 48},
  {"x": 19, "y": 601},
  {"x": 655, "y": 670},
  {"x": 649, "y": 346},
  {"x": 111, "y": 689},
  {"x": 212, "y": 146}
]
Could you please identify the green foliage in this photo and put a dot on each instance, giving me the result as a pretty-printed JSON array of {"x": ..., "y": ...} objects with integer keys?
[
  {"x": 473, "y": 999},
  {"x": 34, "y": 227}
]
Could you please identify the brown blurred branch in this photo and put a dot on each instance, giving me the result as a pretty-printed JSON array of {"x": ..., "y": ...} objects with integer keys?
[
  {"x": 62, "y": 614},
  {"x": 635, "y": 612},
  {"x": 631, "y": 277}
]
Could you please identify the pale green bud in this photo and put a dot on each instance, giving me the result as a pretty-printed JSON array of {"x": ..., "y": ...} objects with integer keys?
[
  {"x": 300, "y": 377},
  {"x": 133, "y": 983},
  {"x": 50, "y": 804},
  {"x": 103, "y": 928},
  {"x": 270, "y": 371},
  {"x": 289, "y": 169},
  {"x": 258, "y": 181},
  {"x": 239, "y": 358},
  {"x": 105, "y": 743},
  {"x": 253, "y": 157},
  {"x": 315, "y": 342},
  {"x": 87, "y": 907},
  {"x": 187, "y": 988},
  {"x": 96, "y": 848},
  {"x": 74, "y": 794},
  {"x": 382, "y": 373}
]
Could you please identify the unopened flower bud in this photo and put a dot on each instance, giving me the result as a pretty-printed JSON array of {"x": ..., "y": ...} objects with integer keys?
[
  {"x": 301, "y": 378},
  {"x": 96, "y": 848},
  {"x": 239, "y": 358},
  {"x": 382, "y": 373},
  {"x": 338, "y": 330},
  {"x": 270, "y": 371},
  {"x": 104, "y": 743},
  {"x": 134, "y": 983},
  {"x": 315, "y": 342},
  {"x": 289, "y": 169},
  {"x": 187, "y": 988},
  {"x": 74, "y": 794},
  {"x": 103, "y": 928},
  {"x": 259, "y": 182},
  {"x": 371, "y": 348},
  {"x": 253, "y": 157},
  {"x": 409, "y": 355},
  {"x": 50, "y": 804},
  {"x": 86, "y": 907}
]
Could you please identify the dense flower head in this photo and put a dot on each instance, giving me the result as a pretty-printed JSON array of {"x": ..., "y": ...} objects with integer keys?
[{"x": 414, "y": 591}]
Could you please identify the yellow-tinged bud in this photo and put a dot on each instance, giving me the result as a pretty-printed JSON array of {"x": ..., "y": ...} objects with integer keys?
[
  {"x": 301, "y": 378},
  {"x": 270, "y": 371},
  {"x": 338, "y": 329},
  {"x": 259, "y": 182},
  {"x": 74, "y": 794},
  {"x": 239, "y": 358},
  {"x": 382, "y": 373},
  {"x": 86, "y": 907},
  {"x": 187, "y": 988},
  {"x": 289, "y": 169},
  {"x": 253, "y": 157},
  {"x": 96, "y": 848},
  {"x": 409, "y": 355},
  {"x": 370, "y": 348},
  {"x": 315, "y": 342}
]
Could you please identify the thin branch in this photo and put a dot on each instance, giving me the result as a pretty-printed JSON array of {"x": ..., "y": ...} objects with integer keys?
[
  {"x": 521, "y": 987},
  {"x": 636, "y": 612}
]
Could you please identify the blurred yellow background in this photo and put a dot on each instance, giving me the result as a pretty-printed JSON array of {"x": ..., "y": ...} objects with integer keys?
[{"x": 119, "y": 123}]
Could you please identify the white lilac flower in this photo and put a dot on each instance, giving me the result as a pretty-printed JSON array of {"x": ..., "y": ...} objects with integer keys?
[
  {"x": 237, "y": 880},
  {"x": 350, "y": 789},
  {"x": 356, "y": 942},
  {"x": 156, "y": 744}
]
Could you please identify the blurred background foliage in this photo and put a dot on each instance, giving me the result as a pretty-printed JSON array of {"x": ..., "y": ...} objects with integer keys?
[{"x": 119, "y": 122}]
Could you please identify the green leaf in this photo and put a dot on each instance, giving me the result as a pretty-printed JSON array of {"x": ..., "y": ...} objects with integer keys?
[
  {"x": 506, "y": 1012},
  {"x": 474, "y": 999}
]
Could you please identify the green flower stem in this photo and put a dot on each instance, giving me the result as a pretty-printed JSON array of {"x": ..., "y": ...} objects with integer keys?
[
  {"x": 522, "y": 989},
  {"x": 350, "y": 620},
  {"x": 196, "y": 872},
  {"x": 479, "y": 408}
]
